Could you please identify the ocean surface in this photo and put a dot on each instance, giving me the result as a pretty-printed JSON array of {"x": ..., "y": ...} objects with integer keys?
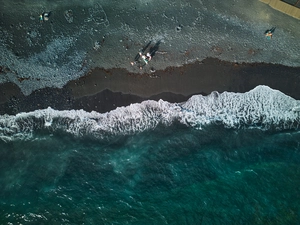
[{"x": 230, "y": 158}]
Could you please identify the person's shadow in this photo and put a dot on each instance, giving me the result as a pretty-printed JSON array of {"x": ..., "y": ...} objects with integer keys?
[
  {"x": 154, "y": 49},
  {"x": 270, "y": 30}
]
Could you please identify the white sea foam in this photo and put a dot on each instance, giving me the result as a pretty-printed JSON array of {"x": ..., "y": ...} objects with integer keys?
[{"x": 261, "y": 107}]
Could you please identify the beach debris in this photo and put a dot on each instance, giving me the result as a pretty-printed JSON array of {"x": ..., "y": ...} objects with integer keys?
[
  {"x": 69, "y": 15},
  {"x": 154, "y": 76},
  {"x": 252, "y": 51},
  {"x": 162, "y": 52},
  {"x": 152, "y": 70},
  {"x": 217, "y": 50},
  {"x": 178, "y": 28}
]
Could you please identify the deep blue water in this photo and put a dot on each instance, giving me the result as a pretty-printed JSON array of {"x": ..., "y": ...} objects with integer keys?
[{"x": 169, "y": 175}]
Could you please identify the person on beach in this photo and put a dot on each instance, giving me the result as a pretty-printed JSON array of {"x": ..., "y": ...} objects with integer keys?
[
  {"x": 137, "y": 57},
  {"x": 269, "y": 33},
  {"x": 146, "y": 57},
  {"x": 149, "y": 57},
  {"x": 44, "y": 16}
]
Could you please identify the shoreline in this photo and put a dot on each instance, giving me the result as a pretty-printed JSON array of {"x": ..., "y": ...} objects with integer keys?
[{"x": 104, "y": 90}]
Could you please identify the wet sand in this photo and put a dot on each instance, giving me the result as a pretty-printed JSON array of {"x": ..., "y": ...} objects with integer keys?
[{"x": 104, "y": 90}]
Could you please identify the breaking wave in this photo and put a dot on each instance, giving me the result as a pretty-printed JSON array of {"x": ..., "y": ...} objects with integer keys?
[{"x": 262, "y": 107}]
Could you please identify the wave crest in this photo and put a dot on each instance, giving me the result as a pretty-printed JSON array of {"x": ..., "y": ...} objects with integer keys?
[{"x": 261, "y": 107}]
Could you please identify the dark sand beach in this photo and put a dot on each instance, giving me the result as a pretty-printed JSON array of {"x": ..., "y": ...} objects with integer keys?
[
  {"x": 80, "y": 142},
  {"x": 104, "y": 90},
  {"x": 85, "y": 63}
]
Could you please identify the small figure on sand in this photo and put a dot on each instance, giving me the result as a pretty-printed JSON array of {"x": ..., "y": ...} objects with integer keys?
[
  {"x": 145, "y": 57},
  {"x": 269, "y": 33},
  {"x": 44, "y": 16},
  {"x": 141, "y": 52}
]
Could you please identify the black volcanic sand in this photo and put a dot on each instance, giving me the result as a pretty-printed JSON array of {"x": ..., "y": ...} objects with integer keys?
[{"x": 103, "y": 90}]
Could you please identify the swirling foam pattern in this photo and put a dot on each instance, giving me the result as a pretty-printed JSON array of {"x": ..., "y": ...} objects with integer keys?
[{"x": 261, "y": 107}]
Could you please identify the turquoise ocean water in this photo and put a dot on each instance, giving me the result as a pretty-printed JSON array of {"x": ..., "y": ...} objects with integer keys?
[{"x": 222, "y": 159}]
